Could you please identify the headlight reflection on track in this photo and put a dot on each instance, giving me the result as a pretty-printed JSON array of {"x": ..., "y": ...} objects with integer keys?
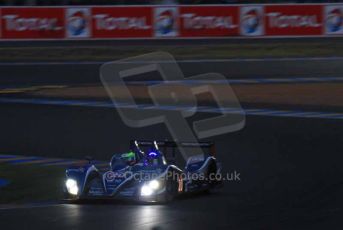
[{"x": 149, "y": 217}]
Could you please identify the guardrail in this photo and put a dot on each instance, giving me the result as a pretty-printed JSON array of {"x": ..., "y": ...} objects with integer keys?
[{"x": 181, "y": 21}]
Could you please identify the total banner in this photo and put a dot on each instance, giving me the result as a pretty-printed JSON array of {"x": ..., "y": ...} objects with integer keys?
[
  {"x": 209, "y": 21},
  {"x": 334, "y": 19},
  {"x": 171, "y": 21},
  {"x": 293, "y": 20},
  {"x": 78, "y": 22},
  {"x": 32, "y": 23},
  {"x": 122, "y": 22}
]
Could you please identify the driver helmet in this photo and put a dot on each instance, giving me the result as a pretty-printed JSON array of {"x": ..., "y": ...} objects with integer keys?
[{"x": 129, "y": 157}]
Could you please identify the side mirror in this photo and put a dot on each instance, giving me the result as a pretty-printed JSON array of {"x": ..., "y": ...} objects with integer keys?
[{"x": 89, "y": 159}]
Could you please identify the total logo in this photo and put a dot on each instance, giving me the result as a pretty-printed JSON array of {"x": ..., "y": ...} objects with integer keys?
[
  {"x": 78, "y": 22},
  {"x": 193, "y": 21},
  {"x": 251, "y": 21},
  {"x": 14, "y": 22},
  {"x": 334, "y": 20},
  {"x": 166, "y": 22}
]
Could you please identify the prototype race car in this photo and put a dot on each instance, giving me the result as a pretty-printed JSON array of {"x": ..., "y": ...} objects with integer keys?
[{"x": 149, "y": 172}]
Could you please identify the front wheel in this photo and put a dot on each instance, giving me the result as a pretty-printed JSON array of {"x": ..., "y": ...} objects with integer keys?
[
  {"x": 94, "y": 186},
  {"x": 70, "y": 198},
  {"x": 172, "y": 188}
]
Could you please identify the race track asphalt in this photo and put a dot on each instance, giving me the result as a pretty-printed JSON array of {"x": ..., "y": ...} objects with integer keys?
[
  {"x": 290, "y": 168},
  {"x": 166, "y": 42},
  {"x": 24, "y": 74}
]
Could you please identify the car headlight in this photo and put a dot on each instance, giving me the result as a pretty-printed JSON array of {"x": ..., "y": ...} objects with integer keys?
[
  {"x": 72, "y": 186},
  {"x": 149, "y": 188}
]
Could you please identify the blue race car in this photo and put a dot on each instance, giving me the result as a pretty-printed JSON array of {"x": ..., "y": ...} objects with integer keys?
[{"x": 149, "y": 172}]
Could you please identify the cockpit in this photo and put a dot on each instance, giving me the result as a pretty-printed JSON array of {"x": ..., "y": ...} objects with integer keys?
[{"x": 122, "y": 160}]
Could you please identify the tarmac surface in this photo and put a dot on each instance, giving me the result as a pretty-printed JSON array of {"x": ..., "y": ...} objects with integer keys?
[
  {"x": 165, "y": 42},
  {"x": 24, "y": 74},
  {"x": 290, "y": 168}
]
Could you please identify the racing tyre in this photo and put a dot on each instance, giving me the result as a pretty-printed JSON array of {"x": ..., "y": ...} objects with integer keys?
[
  {"x": 171, "y": 189},
  {"x": 94, "y": 181}
]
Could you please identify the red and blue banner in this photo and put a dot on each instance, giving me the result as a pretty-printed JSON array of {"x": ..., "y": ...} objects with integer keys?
[{"x": 183, "y": 21}]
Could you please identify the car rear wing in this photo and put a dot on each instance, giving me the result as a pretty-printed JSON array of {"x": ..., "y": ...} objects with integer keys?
[{"x": 171, "y": 148}]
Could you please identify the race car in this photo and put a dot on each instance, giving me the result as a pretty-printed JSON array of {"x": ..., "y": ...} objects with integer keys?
[{"x": 149, "y": 172}]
